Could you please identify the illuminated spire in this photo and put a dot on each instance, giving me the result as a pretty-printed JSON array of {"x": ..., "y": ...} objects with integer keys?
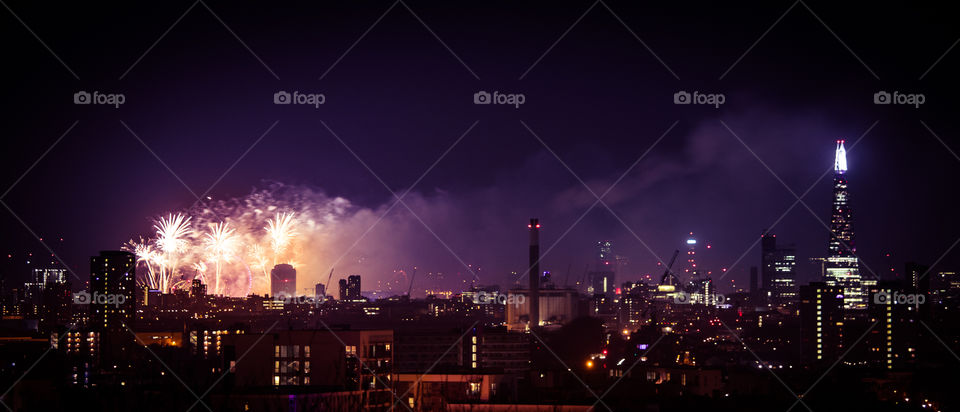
[{"x": 840, "y": 164}]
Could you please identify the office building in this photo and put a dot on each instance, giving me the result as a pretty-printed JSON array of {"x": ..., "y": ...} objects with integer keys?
[{"x": 283, "y": 280}]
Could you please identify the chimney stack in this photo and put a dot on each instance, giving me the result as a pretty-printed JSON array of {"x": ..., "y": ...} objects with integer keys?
[{"x": 534, "y": 272}]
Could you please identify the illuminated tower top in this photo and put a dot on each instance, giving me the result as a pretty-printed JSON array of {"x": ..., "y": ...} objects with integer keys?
[
  {"x": 841, "y": 220},
  {"x": 840, "y": 162}
]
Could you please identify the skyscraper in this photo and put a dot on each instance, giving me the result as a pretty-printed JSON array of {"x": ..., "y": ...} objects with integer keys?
[
  {"x": 283, "y": 280},
  {"x": 113, "y": 281},
  {"x": 842, "y": 267},
  {"x": 112, "y": 285},
  {"x": 778, "y": 265},
  {"x": 353, "y": 287}
]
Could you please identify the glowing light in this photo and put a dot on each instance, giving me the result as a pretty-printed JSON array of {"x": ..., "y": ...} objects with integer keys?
[
  {"x": 840, "y": 163},
  {"x": 691, "y": 241}
]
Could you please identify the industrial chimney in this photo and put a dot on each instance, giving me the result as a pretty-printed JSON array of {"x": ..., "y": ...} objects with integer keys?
[{"x": 534, "y": 272}]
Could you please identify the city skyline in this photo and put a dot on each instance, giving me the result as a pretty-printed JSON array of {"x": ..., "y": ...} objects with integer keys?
[
  {"x": 702, "y": 175},
  {"x": 479, "y": 206}
]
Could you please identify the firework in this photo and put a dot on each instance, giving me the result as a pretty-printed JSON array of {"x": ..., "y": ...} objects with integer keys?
[
  {"x": 231, "y": 245},
  {"x": 221, "y": 245},
  {"x": 281, "y": 232}
]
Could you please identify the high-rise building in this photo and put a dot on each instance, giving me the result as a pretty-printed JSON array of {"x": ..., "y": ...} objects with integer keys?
[
  {"x": 821, "y": 323},
  {"x": 778, "y": 266},
  {"x": 343, "y": 289},
  {"x": 691, "y": 268},
  {"x": 353, "y": 287},
  {"x": 113, "y": 282},
  {"x": 841, "y": 266},
  {"x": 283, "y": 280}
]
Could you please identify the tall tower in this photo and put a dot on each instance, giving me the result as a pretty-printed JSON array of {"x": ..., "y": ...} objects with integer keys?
[
  {"x": 691, "y": 270},
  {"x": 842, "y": 267},
  {"x": 283, "y": 281},
  {"x": 534, "y": 273},
  {"x": 113, "y": 279},
  {"x": 841, "y": 220}
]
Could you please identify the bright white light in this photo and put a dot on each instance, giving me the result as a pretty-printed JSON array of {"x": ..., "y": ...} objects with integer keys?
[
  {"x": 840, "y": 165},
  {"x": 691, "y": 241}
]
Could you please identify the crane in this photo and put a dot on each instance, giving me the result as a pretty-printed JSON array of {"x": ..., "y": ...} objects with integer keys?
[
  {"x": 327, "y": 287},
  {"x": 667, "y": 273},
  {"x": 412, "y": 275}
]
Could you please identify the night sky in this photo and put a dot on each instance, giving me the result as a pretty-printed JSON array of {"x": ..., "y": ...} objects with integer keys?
[{"x": 598, "y": 98}]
